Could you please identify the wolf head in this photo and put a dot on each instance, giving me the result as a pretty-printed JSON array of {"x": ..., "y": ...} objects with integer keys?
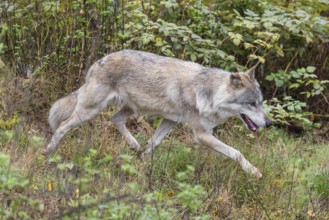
[{"x": 246, "y": 102}]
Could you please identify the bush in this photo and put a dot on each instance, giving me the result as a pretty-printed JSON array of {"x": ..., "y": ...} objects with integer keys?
[{"x": 14, "y": 204}]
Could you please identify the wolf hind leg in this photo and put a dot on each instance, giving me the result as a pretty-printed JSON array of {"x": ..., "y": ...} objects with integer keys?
[
  {"x": 79, "y": 116},
  {"x": 162, "y": 130},
  {"x": 119, "y": 120},
  {"x": 87, "y": 107}
]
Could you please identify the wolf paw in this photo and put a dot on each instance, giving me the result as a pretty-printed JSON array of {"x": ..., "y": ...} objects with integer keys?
[
  {"x": 147, "y": 152},
  {"x": 143, "y": 154},
  {"x": 254, "y": 171},
  {"x": 47, "y": 152},
  {"x": 135, "y": 146}
]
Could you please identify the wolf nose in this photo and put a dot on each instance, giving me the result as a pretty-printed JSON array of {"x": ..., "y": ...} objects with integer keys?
[{"x": 268, "y": 123}]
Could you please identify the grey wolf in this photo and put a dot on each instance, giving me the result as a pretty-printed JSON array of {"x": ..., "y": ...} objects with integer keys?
[{"x": 178, "y": 91}]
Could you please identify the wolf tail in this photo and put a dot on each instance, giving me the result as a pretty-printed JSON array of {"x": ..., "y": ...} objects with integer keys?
[{"x": 62, "y": 110}]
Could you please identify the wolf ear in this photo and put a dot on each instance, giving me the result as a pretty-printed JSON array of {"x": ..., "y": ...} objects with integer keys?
[
  {"x": 251, "y": 72},
  {"x": 235, "y": 80}
]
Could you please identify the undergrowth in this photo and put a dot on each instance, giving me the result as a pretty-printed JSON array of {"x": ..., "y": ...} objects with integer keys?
[{"x": 95, "y": 176}]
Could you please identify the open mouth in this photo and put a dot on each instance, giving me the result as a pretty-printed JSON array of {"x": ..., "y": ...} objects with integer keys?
[{"x": 251, "y": 125}]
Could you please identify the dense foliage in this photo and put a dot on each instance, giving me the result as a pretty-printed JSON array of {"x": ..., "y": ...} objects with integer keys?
[
  {"x": 46, "y": 48},
  {"x": 54, "y": 41}
]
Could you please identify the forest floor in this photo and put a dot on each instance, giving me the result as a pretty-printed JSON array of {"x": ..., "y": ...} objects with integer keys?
[{"x": 94, "y": 175}]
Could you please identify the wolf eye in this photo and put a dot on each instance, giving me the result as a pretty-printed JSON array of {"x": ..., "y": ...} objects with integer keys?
[{"x": 253, "y": 104}]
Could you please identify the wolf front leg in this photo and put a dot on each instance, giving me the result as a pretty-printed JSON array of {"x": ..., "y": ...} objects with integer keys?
[
  {"x": 162, "y": 130},
  {"x": 119, "y": 120},
  {"x": 209, "y": 140}
]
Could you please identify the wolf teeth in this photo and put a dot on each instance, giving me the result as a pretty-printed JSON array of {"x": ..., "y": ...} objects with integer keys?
[{"x": 250, "y": 123}]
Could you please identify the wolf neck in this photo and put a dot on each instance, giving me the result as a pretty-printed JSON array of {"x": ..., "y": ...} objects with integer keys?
[{"x": 211, "y": 89}]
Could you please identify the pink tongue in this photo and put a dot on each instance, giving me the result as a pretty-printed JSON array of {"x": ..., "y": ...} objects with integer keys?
[{"x": 251, "y": 124}]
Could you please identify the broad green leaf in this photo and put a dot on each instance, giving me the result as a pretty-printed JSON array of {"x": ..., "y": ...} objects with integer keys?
[
  {"x": 193, "y": 57},
  {"x": 279, "y": 83},
  {"x": 310, "y": 69},
  {"x": 268, "y": 25},
  {"x": 278, "y": 50},
  {"x": 294, "y": 86},
  {"x": 236, "y": 41}
]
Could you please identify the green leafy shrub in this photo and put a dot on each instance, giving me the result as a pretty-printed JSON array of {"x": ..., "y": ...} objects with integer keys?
[
  {"x": 15, "y": 205},
  {"x": 302, "y": 78},
  {"x": 287, "y": 108},
  {"x": 190, "y": 196},
  {"x": 104, "y": 202}
]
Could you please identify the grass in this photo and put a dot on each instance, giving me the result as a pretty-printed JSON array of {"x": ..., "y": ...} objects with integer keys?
[{"x": 95, "y": 176}]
